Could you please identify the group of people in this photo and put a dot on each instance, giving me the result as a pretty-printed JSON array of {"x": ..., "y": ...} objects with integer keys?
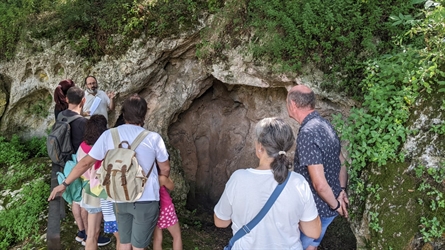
[
  {"x": 133, "y": 224},
  {"x": 312, "y": 195},
  {"x": 315, "y": 191}
]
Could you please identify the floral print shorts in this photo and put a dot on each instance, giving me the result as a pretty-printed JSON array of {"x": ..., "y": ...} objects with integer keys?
[
  {"x": 110, "y": 227},
  {"x": 167, "y": 217}
]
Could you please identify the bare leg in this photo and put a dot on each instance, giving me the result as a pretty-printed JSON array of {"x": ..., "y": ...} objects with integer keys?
[
  {"x": 157, "y": 239},
  {"x": 84, "y": 215},
  {"x": 175, "y": 231},
  {"x": 311, "y": 248},
  {"x": 93, "y": 230},
  {"x": 128, "y": 246},
  {"x": 78, "y": 216},
  {"x": 118, "y": 240}
]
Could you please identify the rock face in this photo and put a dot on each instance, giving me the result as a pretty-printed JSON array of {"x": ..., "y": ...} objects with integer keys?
[
  {"x": 205, "y": 113},
  {"x": 391, "y": 214}
]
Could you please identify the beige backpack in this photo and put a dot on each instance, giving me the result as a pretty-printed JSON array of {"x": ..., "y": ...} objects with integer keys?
[{"x": 120, "y": 173}]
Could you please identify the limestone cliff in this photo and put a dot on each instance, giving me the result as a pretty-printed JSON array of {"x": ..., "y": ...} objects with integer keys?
[{"x": 205, "y": 113}]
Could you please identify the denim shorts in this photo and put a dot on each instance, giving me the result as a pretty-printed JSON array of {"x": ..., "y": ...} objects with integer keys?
[
  {"x": 90, "y": 209},
  {"x": 307, "y": 241}
]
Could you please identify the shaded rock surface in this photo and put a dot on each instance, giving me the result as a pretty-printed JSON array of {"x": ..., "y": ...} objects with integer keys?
[
  {"x": 205, "y": 118},
  {"x": 205, "y": 113}
]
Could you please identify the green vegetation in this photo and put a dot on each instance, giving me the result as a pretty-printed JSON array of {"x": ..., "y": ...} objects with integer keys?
[
  {"x": 384, "y": 53},
  {"x": 21, "y": 218},
  {"x": 40, "y": 107},
  {"x": 432, "y": 223},
  {"x": 96, "y": 28},
  {"x": 336, "y": 36},
  {"x": 376, "y": 130}
]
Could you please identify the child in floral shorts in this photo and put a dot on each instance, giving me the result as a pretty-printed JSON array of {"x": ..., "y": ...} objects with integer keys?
[
  {"x": 110, "y": 224},
  {"x": 167, "y": 216}
]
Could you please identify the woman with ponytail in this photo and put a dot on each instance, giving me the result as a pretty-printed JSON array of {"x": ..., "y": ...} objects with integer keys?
[
  {"x": 247, "y": 191},
  {"x": 60, "y": 96}
]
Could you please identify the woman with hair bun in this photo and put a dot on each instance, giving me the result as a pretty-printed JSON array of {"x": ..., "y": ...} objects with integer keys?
[
  {"x": 60, "y": 96},
  {"x": 247, "y": 191}
]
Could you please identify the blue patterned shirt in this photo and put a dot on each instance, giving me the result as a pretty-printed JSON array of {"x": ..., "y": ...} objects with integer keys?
[{"x": 318, "y": 143}]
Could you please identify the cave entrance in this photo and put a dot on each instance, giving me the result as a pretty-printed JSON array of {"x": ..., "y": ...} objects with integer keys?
[{"x": 214, "y": 136}]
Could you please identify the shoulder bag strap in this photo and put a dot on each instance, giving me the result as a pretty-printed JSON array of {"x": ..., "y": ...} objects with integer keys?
[{"x": 247, "y": 228}]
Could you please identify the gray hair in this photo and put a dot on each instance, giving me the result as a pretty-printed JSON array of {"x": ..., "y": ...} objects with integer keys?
[
  {"x": 302, "y": 100},
  {"x": 275, "y": 135}
]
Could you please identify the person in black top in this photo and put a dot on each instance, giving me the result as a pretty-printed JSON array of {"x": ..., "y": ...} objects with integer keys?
[
  {"x": 318, "y": 158},
  {"x": 76, "y": 100}
]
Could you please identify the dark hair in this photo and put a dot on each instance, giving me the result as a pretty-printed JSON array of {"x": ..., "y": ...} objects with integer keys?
[
  {"x": 85, "y": 80},
  {"x": 134, "y": 110},
  {"x": 75, "y": 95},
  {"x": 60, "y": 94},
  {"x": 275, "y": 135},
  {"x": 120, "y": 120},
  {"x": 95, "y": 126},
  {"x": 301, "y": 99}
]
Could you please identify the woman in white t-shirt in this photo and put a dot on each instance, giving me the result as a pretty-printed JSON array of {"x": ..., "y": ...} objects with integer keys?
[{"x": 247, "y": 191}]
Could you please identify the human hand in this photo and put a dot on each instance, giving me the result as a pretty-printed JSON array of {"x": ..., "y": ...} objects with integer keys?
[
  {"x": 111, "y": 94},
  {"x": 344, "y": 203},
  {"x": 59, "y": 189}
]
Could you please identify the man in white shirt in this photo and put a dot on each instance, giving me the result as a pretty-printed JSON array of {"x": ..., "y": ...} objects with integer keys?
[
  {"x": 138, "y": 219},
  {"x": 97, "y": 101}
]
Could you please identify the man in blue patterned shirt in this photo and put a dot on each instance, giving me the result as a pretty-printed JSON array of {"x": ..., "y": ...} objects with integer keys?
[{"x": 318, "y": 158}]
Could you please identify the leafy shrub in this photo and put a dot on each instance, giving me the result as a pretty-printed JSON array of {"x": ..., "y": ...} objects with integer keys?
[
  {"x": 431, "y": 226},
  {"x": 15, "y": 17},
  {"x": 97, "y": 28},
  {"x": 376, "y": 130},
  {"x": 13, "y": 151},
  {"x": 36, "y": 146},
  {"x": 21, "y": 221},
  {"x": 16, "y": 150},
  {"x": 337, "y": 36},
  {"x": 21, "y": 218}
]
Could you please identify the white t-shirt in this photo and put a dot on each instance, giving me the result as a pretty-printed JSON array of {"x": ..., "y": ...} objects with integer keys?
[
  {"x": 102, "y": 109},
  {"x": 245, "y": 194},
  {"x": 151, "y": 148}
]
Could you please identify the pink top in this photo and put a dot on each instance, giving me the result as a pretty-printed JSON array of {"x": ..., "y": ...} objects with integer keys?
[
  {"x": 82, "y": 152},
  {"x": 165, "y": 199}
]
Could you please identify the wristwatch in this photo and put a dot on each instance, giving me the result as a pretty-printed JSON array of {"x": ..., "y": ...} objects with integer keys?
[{"x": 65, "y": 184}]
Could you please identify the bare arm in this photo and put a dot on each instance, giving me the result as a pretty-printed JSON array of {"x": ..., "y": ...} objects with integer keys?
[
  {"x": 111, "y": 96},
  {"x": 221, "y": 223},
  {"x": 343, "y": 172},
  {"x": 343, "y": 178},
  {"x": 80, "y": 168},
  {"x": 311, "y": 228},
  {"x": 167, "y": 182},
  {"x": 321, "y": 186},
  {"x": 164, "y": 168}
]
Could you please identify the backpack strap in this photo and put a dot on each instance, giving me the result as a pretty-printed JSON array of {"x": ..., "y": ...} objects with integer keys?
[
  {"x": 149, "y": 172},
  {"x": 139, "y": 139},
  {"x": 136, "y": 142},
  {"x": 69, "y": 119},
  {"x": 116, "y": 138}
]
